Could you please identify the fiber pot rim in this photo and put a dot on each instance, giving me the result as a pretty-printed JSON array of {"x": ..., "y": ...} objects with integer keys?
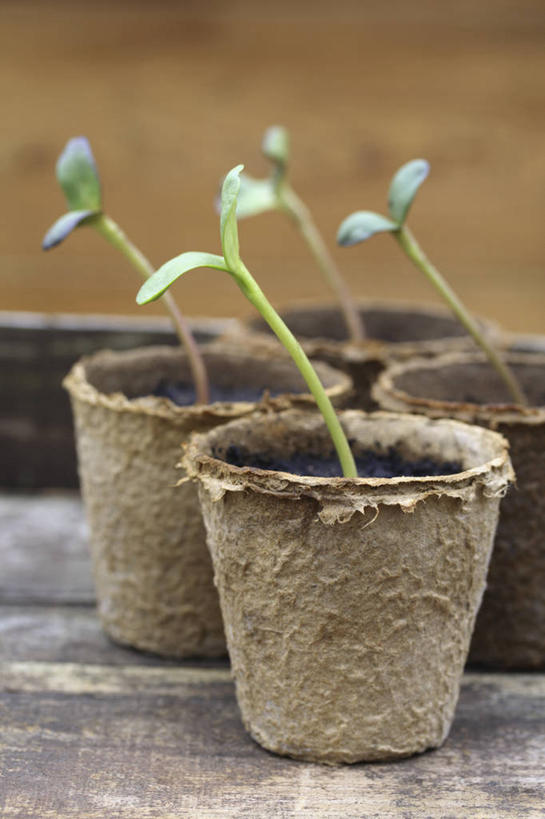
[
  {"x": 388, "y": 395},
  {"x": 77, "y": 384},
  {"x": 496, "y": 471},
  {"x": 372, "y": 348}
]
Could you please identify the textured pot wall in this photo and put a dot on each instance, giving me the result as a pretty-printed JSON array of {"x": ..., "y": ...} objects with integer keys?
[
  {"x": 349, "y": 605},
  {"x": 394, "y": 330},
  {"x": 153, "y": 577},
  {"x": 151, "y": 565},
  {"x": 510, "y": 628}
]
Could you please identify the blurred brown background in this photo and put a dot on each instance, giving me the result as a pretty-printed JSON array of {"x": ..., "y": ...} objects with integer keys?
[{"x": 173, "y": 94}]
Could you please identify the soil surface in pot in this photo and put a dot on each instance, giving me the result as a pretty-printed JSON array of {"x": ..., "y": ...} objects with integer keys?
[
  {"x": 477, "y": 384},
  {"x": 370, "y": 464},
  {"x": 183, "y": 395}
]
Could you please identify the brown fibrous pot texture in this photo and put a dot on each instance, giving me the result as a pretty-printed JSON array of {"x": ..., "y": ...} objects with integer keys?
[
  {"x": 152, "y": 569},
  {"x": 349, "y": 603},
  {"x": 394, "y": 331},
  {"x": 510, "y": 628}
]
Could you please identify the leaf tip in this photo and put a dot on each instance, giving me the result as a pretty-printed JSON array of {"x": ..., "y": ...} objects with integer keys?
[
  {"x": 276, "y": 145},
  {"x": 361, "y": 225},
  {"x": 62, "y": 228},
  {"x": 77, "y": 174},
  {"x": 403, "y": 187}
]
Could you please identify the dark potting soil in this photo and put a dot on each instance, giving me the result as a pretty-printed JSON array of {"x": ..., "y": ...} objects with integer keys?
[
  {"x": 183, "y": 395},
  {"x": 370, "y": 464}
]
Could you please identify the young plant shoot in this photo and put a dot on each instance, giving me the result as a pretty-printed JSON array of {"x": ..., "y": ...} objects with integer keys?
[
  {"x": 78, "y": 177},
  {"x": 362, "y": 224},
  {"x": 231, "y": 263},
  {"x": 275, "y": 193}
]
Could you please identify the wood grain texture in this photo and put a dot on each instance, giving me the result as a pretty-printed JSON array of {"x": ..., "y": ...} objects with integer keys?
[
  {"x": 92, "y": 741},
  {"x": 43, "y": 549},
  {"x": 71, "y": 634},
  {"x": 174, "y": 94}
]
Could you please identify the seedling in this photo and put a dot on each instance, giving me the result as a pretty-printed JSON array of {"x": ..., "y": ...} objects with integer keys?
[
  {"x": 78, "y": 177},
  {"x": 275, "y": 193},
  {"x": 363, "y": 224},
  {"x": 231, "y": 263}
]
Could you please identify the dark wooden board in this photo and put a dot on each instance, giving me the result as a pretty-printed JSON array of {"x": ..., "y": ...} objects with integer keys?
[{"x": 36, "y": 352}]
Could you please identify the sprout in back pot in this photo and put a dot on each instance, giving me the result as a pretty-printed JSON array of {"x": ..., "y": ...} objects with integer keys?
[
  {"x": 357, "y": 337},
  {"x": 363, "y": 224},
  {"x": 510, "y": 628},
  {"x": 152, "y": 568},
  {"x": 348, "y": 601},
  {"x": 276, "y": 193}
]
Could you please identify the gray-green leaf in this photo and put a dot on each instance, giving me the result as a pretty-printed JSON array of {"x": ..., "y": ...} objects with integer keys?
[
  {"x": 64, "y": 226},
  {"x": 404, "y": 186},
  {"x": 255, "y": 196},
  {"x": 362, "y": 224},
  {"x": 78, "y": 176},
  {"x": 276, "y": 145},
  {"x": 228, "y": 219},
  {"x": 155, "y": 286}
]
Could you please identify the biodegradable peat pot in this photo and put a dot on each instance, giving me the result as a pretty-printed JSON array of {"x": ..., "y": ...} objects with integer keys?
[
  {"x": 395, "y": 330},
  {"x": 152, "y": 569},
  {"x": 349, "y": 603},
  {"x": 510, "y": 628},
  {"x": 36, "y": 352}
]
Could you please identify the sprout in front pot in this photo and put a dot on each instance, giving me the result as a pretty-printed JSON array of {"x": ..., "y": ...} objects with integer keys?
[
  {"x": 276, "y": 193},
  {"x": 231, "y": 263},
  {"x": 78, "y": 177},
  {"x": 362, "y": 224}
]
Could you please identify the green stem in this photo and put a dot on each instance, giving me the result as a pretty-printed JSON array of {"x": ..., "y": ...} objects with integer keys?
[
  {"x": 298, "y": 212},
  {"x": 415, "y": 253},
  {"x": 111, "y": 231},
  {"x": 253, "y": 292}
]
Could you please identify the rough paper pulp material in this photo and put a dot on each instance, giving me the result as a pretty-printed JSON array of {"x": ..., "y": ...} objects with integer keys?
[
  {"x": 510, "y": 628},
  {"x": 349, "y": 603},
  {"x": 152, "y": 569},
  {"x": 395, "y": 331}
]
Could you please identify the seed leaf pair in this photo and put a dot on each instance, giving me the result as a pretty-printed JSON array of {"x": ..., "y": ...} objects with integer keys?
[
  {"x": 78, "y": 177},
  {"x": 362, "y": 224}
]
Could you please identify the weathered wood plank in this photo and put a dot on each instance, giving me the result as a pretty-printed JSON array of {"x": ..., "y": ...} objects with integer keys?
[
  {"x": 43, "y": 549},
  {"x": 70, "y": 634},
  {"x": 92, "y": 741}
]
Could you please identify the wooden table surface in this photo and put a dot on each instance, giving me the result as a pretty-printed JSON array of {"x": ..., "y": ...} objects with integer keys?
[{"x": 95, "y": 731}]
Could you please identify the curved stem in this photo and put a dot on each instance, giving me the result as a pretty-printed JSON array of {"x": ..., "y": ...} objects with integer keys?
[
  {"x": 253, "y": 292},
  {"x": 298, "y": 212},
  {"x": 111, "y": 231},
  {"x": 415, "y": 253}
]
